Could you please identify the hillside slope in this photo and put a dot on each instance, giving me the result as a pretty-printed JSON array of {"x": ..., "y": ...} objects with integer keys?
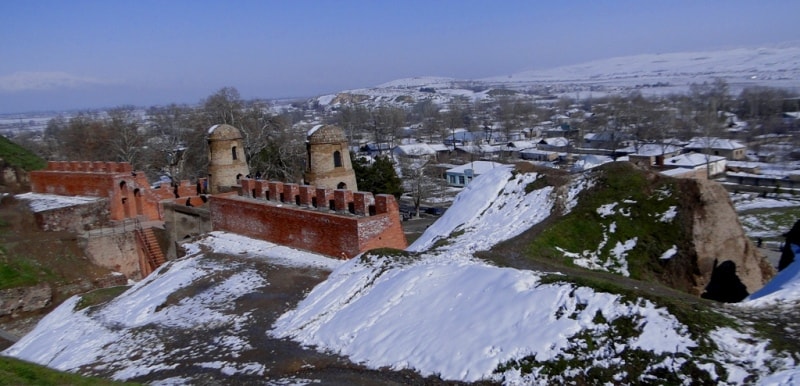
[
  {"x": 436, "y": 309},
  {"x": 650, "y": 74}
]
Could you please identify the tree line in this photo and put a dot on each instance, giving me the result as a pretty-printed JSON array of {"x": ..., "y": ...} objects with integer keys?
[{"x": 171, "y": 140}]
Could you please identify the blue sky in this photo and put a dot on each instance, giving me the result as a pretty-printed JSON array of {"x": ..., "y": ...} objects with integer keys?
[{"x": 67, "y": 54}]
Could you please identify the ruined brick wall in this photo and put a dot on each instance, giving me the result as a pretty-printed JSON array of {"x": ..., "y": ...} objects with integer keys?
[
  {"x": 337, "y": 223},
  {"x": 129, "y": 193}
]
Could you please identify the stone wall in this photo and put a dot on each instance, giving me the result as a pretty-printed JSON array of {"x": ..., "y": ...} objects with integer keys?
[
  {"x": 337, "y": 223},
  {"x": 117, "y": 251},
  {"x": 75, "y": 218},
  {"x": 183, "y": 222}
]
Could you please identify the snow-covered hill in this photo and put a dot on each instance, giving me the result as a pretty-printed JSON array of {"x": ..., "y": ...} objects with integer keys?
[
  {"x": 436, "y": 309},
  {"x": 773, "y": 65},
  {"x": 777, "y": 66}
]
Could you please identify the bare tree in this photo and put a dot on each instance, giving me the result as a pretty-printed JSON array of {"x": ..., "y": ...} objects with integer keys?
[
  {"x": 125, "y": 141},
  {"x": 419, "y": 179},
  {"x": 224, "y": 106},
  {"x": 168, "y": 137}
]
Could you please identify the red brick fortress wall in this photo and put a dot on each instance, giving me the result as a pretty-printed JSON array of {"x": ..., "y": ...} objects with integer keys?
[
  {"x": 128, "y": 192},
  {"x": 337, "y": 223}
]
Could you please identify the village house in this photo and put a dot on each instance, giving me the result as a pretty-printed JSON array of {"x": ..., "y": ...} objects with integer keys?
[
  {"x": 605, "y": 140},
  {"x": 538, "y": 155},
  {"x": 554, "y": 144},
  {"x": 695, "y": 165},
  {"x": 728, "y": 148},
  {"x": 513, "y": 148},
  {"x": 461, "y": 176},
  {"x": 650, "y": 154}
]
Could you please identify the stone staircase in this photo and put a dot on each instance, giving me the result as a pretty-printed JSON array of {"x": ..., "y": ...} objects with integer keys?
[{"x": 154, "y": 256}]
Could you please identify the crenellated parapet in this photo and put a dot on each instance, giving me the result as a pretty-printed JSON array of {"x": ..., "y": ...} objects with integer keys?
[
  {"x": 335, "y": 222},
  {"x": 128, "y": 192},
  {"x": 89, "y": 167},
  {"x": 343, "y": 201}
]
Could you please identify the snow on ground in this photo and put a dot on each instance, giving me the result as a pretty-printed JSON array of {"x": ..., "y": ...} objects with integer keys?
[
  {"x": 492, "y": 208},
  {"x": 784, "y": 287},
  {"x": 67, "y": 339},
  {"x": 229, "y": 243},
  {"x": 617, "y": 256},
  {"x": 581, "y": 182},
  {"x": 749, "y": 201},
  {"x": 459, "y": 319},
  {"x": 669, "y": 253},
  {"x": 43, "y": 202},
  {"x": 441, "y": 311},
  {"x": 766, "y": 217},
  {"x": 83, "y": 337}
]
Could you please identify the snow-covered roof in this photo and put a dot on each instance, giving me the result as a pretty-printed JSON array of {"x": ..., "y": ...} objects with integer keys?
[
  {"x": 439, "y": 147},
  {"x": 536, "y": 151},
  {"x": 714, "y": 143},
  {"x": 479, "y": 149},
  {"x": 654, "y": 149},
  {"x": 677, "y": 172},
  {"x": 691, "y": 160},
  {"x": 556, "y": 141},
  {"x": 478, "y": 167},
  {"x": 415, "y": 149},
  {"x": 521, "y": 145}
]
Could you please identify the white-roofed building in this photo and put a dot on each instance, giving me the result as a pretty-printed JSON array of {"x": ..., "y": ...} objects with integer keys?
[
  {"x": 460, "y": 176},
  {"x": 703, "y": 165},
  {"x": 653, "y": 154},
  {"x": 728, "y": 148}
]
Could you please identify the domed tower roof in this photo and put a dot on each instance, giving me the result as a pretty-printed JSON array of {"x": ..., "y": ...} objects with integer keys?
[
  {"x": 223, "y": 133},
  {"x": 326, "y": 134}
]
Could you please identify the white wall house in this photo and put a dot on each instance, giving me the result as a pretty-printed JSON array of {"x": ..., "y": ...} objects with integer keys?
[
  {"x": 700, "y": 164},
  {"x": 460, "y": 176}
]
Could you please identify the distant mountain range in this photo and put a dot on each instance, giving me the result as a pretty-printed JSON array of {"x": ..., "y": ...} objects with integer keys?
[{"x": 652, "y": 74}]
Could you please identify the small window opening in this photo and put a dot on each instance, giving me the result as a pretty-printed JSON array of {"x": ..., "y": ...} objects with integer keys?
[{"x": 337, "y": 159}]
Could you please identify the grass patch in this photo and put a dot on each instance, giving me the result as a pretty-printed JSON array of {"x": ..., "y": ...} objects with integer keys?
[
  {"x": 447, "y": 240},
  {"x": 16, "y": 372},
  {"x": 539, "y": 183},
  {"x": 639, "y": 202},
  {"x": 387, "y": 258},
  {"x": 17, "y": 272},
  {"x": 16, "y": 155},
  {"x": 99, "y": 296}
]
